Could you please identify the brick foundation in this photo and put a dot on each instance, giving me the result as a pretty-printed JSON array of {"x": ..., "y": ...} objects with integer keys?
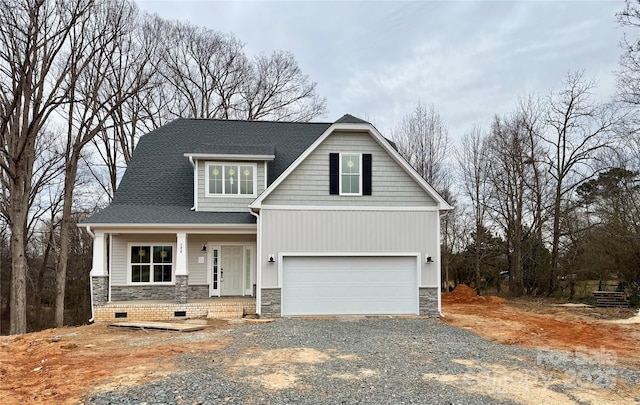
[{"x": 218, "y": 308}]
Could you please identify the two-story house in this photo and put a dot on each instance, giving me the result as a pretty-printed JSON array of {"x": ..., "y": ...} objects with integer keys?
[{"x": 285, "y": 218}]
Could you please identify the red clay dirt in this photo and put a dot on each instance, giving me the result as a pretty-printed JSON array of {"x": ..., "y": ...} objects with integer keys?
[
  {"x": 59, "y": 366},
  {"x": 56, "y": 366},
  {"x": 539, "y": 324}
]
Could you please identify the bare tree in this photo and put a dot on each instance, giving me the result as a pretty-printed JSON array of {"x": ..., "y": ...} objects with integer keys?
[
  {"x": 276, "y": 89},
  {"x": 628, "y": 77},
  {"x": 33, "y": 34},
  {"x": 92, "y": 101},
  {"x": 135, "y": 109},
  {"x": 577, "y": 129},
  {"x": 423, "y": 140},
  {"x": 210, "y": 76},
  {"x": 473, "y": 159},
  {"x": 508, "y": 170}
]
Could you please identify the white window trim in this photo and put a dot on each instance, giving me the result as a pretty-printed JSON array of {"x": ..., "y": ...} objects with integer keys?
[
  {"x": 236, "y": 164},
  {"x": 340, "y": 174},
  {"x": 151, "y": 282}
]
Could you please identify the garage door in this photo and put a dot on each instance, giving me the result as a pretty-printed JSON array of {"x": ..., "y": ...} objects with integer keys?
[{"x": 349, "y": 285}]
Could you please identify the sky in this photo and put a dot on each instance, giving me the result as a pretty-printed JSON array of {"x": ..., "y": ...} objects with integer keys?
[{"x": 470, "y": 60}]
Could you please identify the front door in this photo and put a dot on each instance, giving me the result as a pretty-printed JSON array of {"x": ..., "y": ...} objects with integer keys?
[{"x": 231, "y": 270}]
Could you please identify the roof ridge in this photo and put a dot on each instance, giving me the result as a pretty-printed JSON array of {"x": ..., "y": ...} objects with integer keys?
[{"x": 265, "y": 121}]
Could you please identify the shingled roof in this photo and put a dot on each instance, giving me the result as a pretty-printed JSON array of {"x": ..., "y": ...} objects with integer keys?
[{"x": 157, "y": 187}]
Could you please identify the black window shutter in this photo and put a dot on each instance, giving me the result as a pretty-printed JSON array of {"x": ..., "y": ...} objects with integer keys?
[
  {"x": 366, "y": 174},
  {"x": 334, "y": 167}
]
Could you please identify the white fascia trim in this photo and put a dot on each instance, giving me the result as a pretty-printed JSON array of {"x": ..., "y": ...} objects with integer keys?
[
  {"x": 237, "y": 229},
  {"x": 229, "y": 157},
  {"x": 428, "y": 286},
  {"x": 282, "y": 255},
  {"x": 346, "y": 208},
  {"x": 442, "y": 204}
]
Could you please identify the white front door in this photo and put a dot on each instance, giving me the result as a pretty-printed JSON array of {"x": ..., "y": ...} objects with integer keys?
[{"x": 231, "y": 265}]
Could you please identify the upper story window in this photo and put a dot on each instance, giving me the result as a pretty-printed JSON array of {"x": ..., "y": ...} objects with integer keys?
[
  {"x": 230, "y": 179},
  {"x": 350, "y": 174}
]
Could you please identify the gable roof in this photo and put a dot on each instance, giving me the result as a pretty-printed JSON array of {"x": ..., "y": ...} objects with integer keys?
[
  {"x": 350, "y": 119},
  {"x": 157, "y": 186},
  {"x": 387, "y": 145}
]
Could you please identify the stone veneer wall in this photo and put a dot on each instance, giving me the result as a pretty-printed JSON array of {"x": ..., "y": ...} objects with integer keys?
[
  {"x": 428, "y": 301},
  {"x": 271, "y": 303},
  {"x": 142, "y": 292},
  {"x": 100, "y": 286},
  {"x": 182, "y": 289},
  {"x": 198, "y": 292}
]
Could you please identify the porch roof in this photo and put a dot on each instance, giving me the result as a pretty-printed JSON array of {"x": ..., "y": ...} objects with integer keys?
[{"x": 165, "y": 214}]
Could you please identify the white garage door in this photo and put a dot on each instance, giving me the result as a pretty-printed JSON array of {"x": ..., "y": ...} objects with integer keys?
[{"x": 349, "y": 285}]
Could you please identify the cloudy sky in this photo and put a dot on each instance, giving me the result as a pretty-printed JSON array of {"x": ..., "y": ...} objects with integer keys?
[{"x": 377, "y": 60}]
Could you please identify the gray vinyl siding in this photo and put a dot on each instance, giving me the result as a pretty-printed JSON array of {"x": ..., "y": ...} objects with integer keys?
[
  {"x": 291, "y": 231},
  {"x": 225, "y": 203},
  {"x": 308, "y": 184},
  {"x": 197, "y": 271}
]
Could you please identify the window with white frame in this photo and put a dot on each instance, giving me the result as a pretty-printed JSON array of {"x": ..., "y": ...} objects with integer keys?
[
  {"x": 231, "y": 179},
  {"x": 151, "y": 263},
  {"x": 350, "y": 174}
]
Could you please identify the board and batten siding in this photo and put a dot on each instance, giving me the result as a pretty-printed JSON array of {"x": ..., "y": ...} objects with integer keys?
[
  {"x": 308, "y": 184},
  {"x": 225, "y": 203},
  {"x": 299, "y": 231}
]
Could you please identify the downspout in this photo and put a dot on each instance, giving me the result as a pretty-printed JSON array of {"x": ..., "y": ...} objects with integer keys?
[
  {"x": 195, "y": 183},
  {"x": 91, "y": 280},
  {"x": 441, "y": 214},
  {"x": 258, "y": 262},
  {"x": 110, "y": 257}
]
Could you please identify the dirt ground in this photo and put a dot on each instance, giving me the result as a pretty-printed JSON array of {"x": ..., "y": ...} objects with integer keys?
[
  {"x": 611, "y": 332},
  {"x": 56, "y": 366},
  {"x": 60, "y": 365}
]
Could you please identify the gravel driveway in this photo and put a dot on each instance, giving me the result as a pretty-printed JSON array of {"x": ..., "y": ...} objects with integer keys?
[{"x": 379, "y": 361}]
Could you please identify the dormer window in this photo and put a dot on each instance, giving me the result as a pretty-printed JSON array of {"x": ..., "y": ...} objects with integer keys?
[{"x": 230, "y": 179}]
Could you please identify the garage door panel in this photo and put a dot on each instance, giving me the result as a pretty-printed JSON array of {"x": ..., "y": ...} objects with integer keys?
[{"x": 349, "y": 285}]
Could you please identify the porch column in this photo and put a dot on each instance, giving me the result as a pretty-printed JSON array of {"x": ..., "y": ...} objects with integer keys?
[
  {"x": 99, "y": 274},
  {"x": 182, "y": 275}
]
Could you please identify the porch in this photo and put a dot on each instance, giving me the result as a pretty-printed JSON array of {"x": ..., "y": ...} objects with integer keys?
[{"x": 165, "y": 310}]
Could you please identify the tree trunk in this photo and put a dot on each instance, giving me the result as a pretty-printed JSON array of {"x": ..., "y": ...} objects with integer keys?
[
  {"x": 61, "y": 269},
  {"x": 18, "y": 211},
  {"x": 555, "y": 247}
]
